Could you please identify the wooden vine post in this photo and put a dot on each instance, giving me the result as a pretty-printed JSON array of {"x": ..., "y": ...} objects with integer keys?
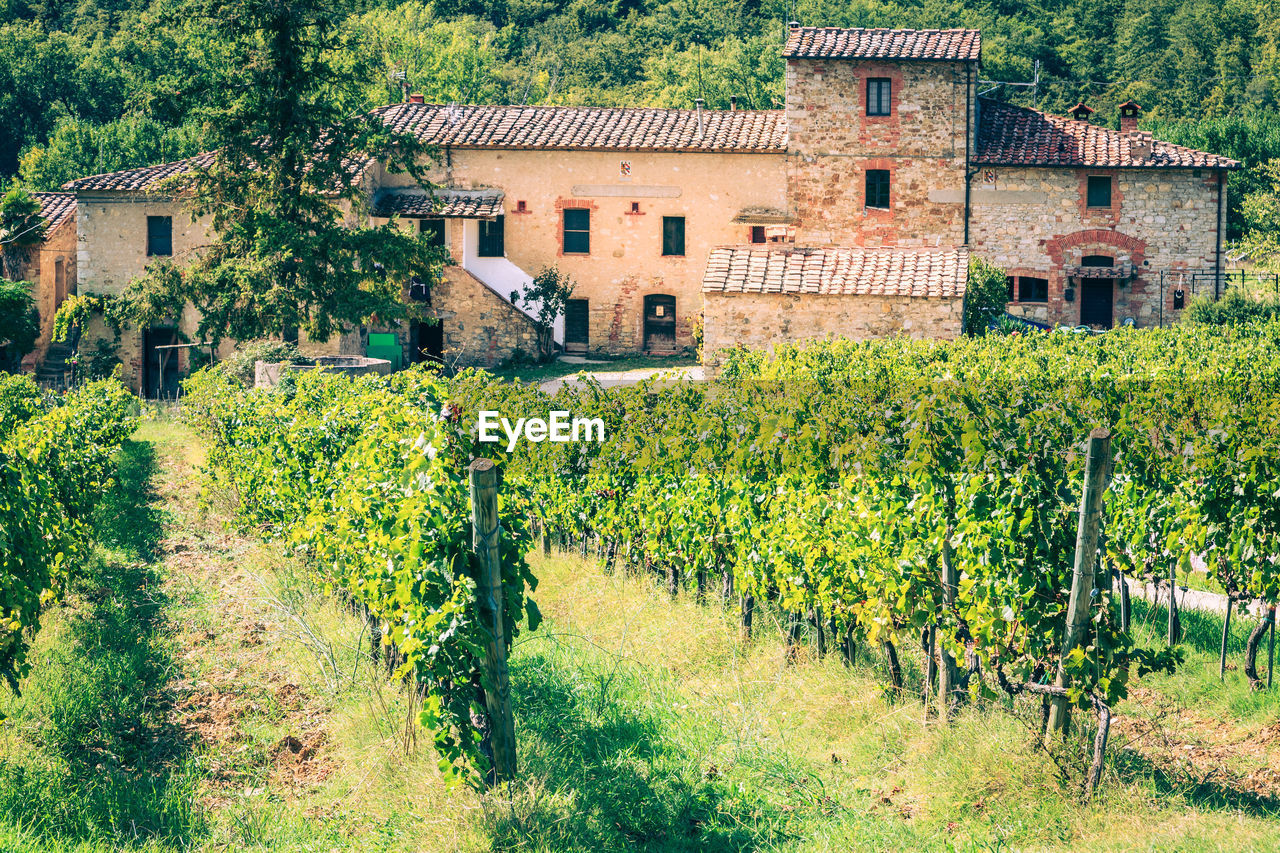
[
  {"x": 1226, "y": 632},
  {"x": 1097, "y": 468},
  {"x": 948, "y": 676},
  {"x": 497, "y": 683}
]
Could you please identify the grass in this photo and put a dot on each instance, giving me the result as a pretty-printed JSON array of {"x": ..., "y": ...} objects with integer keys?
[
  {"x": 599, "y": 364},
  {"x": 195, "y": 692}
]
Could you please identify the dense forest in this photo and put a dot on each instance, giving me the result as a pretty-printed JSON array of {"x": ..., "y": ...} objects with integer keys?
[{"x": 94, "y": 85}]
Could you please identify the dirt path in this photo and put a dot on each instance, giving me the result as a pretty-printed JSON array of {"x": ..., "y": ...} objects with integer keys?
[{"x": 237, "y": 700}]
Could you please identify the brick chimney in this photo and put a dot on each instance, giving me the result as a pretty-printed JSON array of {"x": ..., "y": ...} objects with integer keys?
[
  {"x": 1129, "y": 112},
  {"x": 416, "y": 98},
  {"x": 1081, "y": 111}
]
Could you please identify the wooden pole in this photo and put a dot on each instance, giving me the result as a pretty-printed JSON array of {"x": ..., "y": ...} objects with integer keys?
[
  {"x": 497, "y": 684},
  {"x": 1097, "y": 468},
  {"x": 947, "y": 675},
  {"x": 1271, "y": 648},
  {"x": 1226, "y": 631}
]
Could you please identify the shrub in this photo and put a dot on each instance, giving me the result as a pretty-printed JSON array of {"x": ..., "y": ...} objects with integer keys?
[
  {"x": 986, "y": 295},
  {"x": 19, "y": 323},
  {"x": 240, "y": 364},
  {"x": 1235, "y": 308}
]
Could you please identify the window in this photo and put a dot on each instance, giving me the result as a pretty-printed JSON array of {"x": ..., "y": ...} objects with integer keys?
[
  {"x": 577, "y": 231},
  {"x": 159, "y": 235},
  {"x": 757, "y": 234},
  {"x": 522, "y": 206},
  {"x": 491, "y": 241},
  {"x": 878, "y": 188},
  {"x": 879, "y": 91},
  {"x": 433, "y": 230},
  {"x": 1033, "y": 289},
  {"x": 673, "y": 235},
  {"x": 1009, "y": 284},
  {"x": 1097, "y": 261},
  {"x": 1099, "y": 192}
]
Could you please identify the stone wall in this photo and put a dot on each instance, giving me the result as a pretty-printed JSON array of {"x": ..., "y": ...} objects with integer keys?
[
  {"x": 626, "y": 261},
  {"x": 760, "y": 321},
  {"x": 923, "y": 144},
  {"x": 1034, "y": 222},
  {"x": 480, "y": 327}
]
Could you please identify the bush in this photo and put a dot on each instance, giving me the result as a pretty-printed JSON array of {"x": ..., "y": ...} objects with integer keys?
[
  {"x": 240, "y": 364},
  {"x": 1235, "y": 308},
  {"x": 19, "y": 323},
  {"x": 986, "y": 295}
]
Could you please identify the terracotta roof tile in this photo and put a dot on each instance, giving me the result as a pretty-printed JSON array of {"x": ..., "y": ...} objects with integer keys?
[
  {"x": 468, "y": 204},
  {"x": 590, "y": 128},
  {"x": 56, "y": 208},
  {"x": 838, "y": 271},
  {"x": 1009, "y": 135},
  {"x": 544, "y": 128},
  {"x": 839, "y": 43},
  {"x": 142, "y": 178}
]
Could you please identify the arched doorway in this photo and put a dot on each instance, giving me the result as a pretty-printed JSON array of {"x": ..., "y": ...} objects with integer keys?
[
  {"x": 660, "y": 323},
  {"x": 1097, "y": 295}
]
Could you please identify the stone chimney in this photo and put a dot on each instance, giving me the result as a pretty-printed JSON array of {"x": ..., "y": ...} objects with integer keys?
[
  {"x": 1129, "y": 112},
  {"x": 1081, "y": 111},
  {"x": 1139, "y": 144},
  {"x": 416, "y": 98}
]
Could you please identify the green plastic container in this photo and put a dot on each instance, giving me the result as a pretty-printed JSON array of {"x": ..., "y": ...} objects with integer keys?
[{"x": 384, "y": 345}]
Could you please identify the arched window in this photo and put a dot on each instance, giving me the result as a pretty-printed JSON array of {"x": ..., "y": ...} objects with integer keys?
[{"x": 1097, "y": 261}]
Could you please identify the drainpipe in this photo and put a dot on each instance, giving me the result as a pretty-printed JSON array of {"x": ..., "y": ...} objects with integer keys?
[
  {"x": 1217, "y": 260},
  {"x": 968, "y": 133}
]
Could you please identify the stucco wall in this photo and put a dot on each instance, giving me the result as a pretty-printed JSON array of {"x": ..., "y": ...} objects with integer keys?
[
  {"x": 626, "y": 262},
  {"x": 759, "y": 321},
  {"x": 53, "y": 260},
  {"x": 922, "y": 143},
  {"x": 1034, "y": 222},
  {"x": 111, "y": 243}
]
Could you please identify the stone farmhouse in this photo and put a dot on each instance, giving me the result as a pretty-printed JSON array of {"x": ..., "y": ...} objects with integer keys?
[{"x": 853, "y": 212}]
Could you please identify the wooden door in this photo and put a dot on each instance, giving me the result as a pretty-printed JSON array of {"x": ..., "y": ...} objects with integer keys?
[
  {"x": 159, "y": 366},
  {"x": 660, "y": 323},
  {"x": 1096, "y": 300},
  {"x": 577, "y": 325}
]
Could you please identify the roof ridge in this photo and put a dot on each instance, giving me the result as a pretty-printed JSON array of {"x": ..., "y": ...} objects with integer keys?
[{"x": 582, "y": 107}]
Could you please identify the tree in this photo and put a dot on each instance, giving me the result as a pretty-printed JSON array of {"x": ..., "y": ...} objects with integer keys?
[
  {"x": 1260, "y": 212},
  {"x": 19, "y": 323},
  {"x": 21, "y": 230},
  {"x": 282, "y": 192},
  {"x": 985, "y": 296},
  {"x": 545, "y": 298}
]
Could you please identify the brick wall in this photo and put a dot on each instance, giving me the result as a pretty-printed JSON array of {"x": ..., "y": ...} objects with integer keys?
[
  {"x": 759, "y": 321},
  {"x": 1034, "y": 221},
  {"x": 832, "y": 143}
]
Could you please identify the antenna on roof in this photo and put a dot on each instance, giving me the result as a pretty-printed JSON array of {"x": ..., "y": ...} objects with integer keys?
[
  {"x": 697, "y": 105},
  {"x": 453, "y": 113},
  {"x": 701, "y": 93}
]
